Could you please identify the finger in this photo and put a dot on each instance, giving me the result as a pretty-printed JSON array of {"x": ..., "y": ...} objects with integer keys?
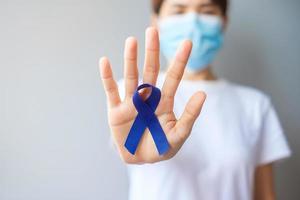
[
  {"x": 189, "y": 115},
  {"x": 175, "y": 71},
  {"x": 130, "y": 66},
  {"x": 110, "y": 85},
  {"x": 151, "y": 65}
]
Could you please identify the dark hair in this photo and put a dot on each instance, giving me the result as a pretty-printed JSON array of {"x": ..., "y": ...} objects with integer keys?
[{"x": 223, "y": 4}]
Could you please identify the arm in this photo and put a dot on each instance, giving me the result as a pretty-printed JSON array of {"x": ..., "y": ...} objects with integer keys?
[{"x": 263, "y": 183}]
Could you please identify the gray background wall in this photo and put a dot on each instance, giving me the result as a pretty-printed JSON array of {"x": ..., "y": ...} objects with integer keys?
[{"x": 54, "y": 138}]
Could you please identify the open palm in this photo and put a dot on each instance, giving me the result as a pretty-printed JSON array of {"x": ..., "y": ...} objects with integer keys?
[{"x": 121, "y": 114}]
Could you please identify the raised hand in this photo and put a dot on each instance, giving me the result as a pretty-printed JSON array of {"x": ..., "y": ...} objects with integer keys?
[{"x": 121, "y": 114}]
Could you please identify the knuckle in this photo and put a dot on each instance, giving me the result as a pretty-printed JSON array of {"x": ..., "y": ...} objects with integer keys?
[
  {"x": 110, "y": 89},
  {"x": 149, "y": 69},
  {"x": 167, "y": 96},
  {"x": 191, "y": 113},
  {"x": 131, "y": 77},
  {"x": 174, "y": 75}
]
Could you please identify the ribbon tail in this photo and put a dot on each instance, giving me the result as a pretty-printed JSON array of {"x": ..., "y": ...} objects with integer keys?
[
  {"x": 159, "y": 136},
  {"x": 134, "y": 136}
]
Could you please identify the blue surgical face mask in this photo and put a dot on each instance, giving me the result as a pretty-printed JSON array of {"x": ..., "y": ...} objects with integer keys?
[{"x": 205, "y": 31}]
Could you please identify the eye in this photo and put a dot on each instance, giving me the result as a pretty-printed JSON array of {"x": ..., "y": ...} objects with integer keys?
[
  {"x": 177, "y": 11},
  {"x": 209, "y": 12}
]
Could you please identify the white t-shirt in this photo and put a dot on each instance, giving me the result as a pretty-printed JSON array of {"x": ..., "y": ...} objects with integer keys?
[{"x": 236, "y": 131}]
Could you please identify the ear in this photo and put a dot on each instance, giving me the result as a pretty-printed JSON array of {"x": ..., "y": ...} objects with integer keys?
[
  {"x": 225, "y": 22},
  {"x": 154, "y": 19}
]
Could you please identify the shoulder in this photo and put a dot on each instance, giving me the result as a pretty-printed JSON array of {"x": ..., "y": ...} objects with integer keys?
[
  {"x": 254, "y": 102},
  {"x": 249, "y": 95}
]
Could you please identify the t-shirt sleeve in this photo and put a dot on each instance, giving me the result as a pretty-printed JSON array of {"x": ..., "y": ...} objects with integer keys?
[{"x": 272, "y": 144}]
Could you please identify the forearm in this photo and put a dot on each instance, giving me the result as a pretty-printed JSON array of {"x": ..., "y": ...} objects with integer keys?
[{"x": 264, "y": 184}]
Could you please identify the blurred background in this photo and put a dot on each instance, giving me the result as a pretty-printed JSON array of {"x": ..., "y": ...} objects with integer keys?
[{"x": 54, "y": 137}]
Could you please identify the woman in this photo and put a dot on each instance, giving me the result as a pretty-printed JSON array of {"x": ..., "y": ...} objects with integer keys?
[{"x": 229, "y": 150}]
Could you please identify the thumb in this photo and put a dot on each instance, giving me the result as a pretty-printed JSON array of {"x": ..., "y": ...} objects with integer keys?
[{"x": 189, "y": 115}]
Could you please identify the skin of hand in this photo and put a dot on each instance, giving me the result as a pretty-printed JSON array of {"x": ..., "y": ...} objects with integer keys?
[{"x": 121, "y": 114}]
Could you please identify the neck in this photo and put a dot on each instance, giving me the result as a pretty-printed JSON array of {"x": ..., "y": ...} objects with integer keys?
[{"x": 205, "y": 74}]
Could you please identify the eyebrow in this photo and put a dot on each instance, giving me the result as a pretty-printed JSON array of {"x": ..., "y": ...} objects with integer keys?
[
  {"x": 203, "y": 5},
  {"x": 178, "y": 5}
]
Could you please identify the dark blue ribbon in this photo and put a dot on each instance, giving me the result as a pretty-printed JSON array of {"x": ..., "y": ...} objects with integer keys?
[{"x": 146, "y": 118}]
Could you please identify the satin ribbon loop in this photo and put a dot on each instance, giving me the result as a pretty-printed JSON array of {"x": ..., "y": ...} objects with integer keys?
[{"x": 146, "y": 118}]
